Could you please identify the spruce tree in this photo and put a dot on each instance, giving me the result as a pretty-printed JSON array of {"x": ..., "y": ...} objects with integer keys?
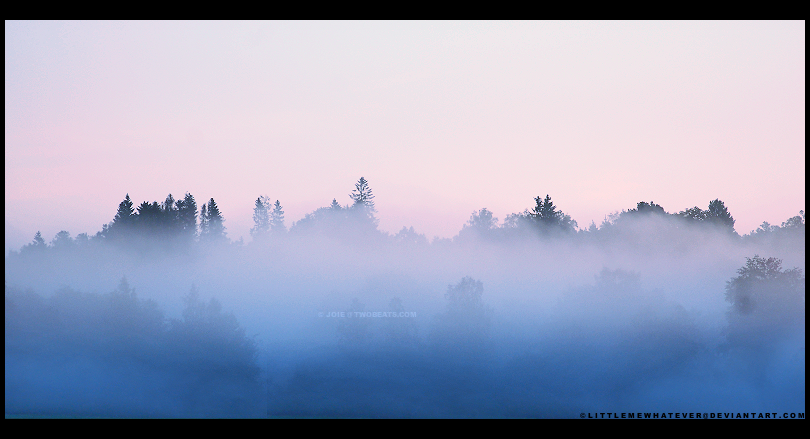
[
  {"x": 277, "y": 219},
  {"x": 187, "y": 216},
  {"x": 171, "y": 220},
  {"x": 204, "y": 222},
  {"x": 545, "y": 212},
  {"x": 362, "y": 196},
  {"x": 363, "y": 210},
  {"x": 39, "y": 243},
  {"x": 124, "y": 221},
  {"x": 546, "y": 215},
  {"x": 215, "y": 230},
  {"x": 261, "y": 218},
  {"x": 124, "y": 217},
  {"x": 149, "y": 218}
]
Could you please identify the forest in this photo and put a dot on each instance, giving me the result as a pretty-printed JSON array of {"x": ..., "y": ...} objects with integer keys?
[{"x": 161, "y": 314}]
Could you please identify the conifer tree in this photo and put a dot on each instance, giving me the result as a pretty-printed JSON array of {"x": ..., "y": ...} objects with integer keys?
[
  {"x": 204, "y": 221},
  {"x": 362, "y": 196},
  {"x": 124, "y": 217},
  {"x": 277, "y": 219},
  {"x": 149, "y": 218},
  {"x": 125, "y": 212},
  {"x": 187, "y": 216},
  {"x": 546, "y": 215},
  {"x": 363, "y": 210},
  {"x": 261, "y": 218},
  {"x": 39, "y": 243},
  {"x": 171, "y": 219},
  {"x": 214, "y": 230}
]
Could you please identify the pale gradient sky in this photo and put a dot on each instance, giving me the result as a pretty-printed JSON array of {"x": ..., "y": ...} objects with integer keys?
[{"x": 442, "y": 118}]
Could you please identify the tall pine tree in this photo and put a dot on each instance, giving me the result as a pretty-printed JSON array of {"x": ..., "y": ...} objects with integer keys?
[
  {"x": 362, "y": 196},
  {"x": 204, "y": 222},
  {"x": 214, "y": 230},
  {"x": 261, "y": 218},
  {"x": 124, "y": 221},
  {"x": 277, "y": 219},
  {"x": 187, "y": 216},
  {"x": 547, "y": 217},
  {"x": 363, "y": 209}
]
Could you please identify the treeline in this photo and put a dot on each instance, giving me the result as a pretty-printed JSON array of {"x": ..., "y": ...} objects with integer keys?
[
  {"x": 200, "y": 365},
  {"x": 178, "y": 223},
  {"x": 606, "y": 341}
]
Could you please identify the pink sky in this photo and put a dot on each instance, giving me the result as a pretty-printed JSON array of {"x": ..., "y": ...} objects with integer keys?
[{"x": 441, "y": 118}]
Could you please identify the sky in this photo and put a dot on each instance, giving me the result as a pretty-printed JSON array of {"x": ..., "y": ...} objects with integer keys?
[{"x": 441, "y": 118}]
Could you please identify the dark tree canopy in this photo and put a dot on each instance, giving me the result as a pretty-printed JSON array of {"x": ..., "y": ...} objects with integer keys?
[
  {"x": 37, "y": 245},
  {"x": 187, "y": 216},
  {"x": 547, "y": 217},
  {"x": 465, "y": 325},
  {"x": 762, "y": 284},
  {"x": 767, "y": 304},
  {"x": 123, "y": 224},
  {"x": 465, "y": 295},
  {"x": 214, "y": 230},
  {"x": 693, "y": 214},
  {"x": 482, "y": 220},
  {"x": 62, "y": 240},
  {"x": 362, "y": 196},
  {"x": 125, "y": 214},
  {"x": 277, "y": 219},
  {"x": 718, "y": 215},
  {"x": 648, "y": 208},
  {"x": 261, "y": 218}
]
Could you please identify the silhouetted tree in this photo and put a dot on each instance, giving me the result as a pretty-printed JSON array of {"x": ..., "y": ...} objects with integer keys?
[
  {"x": 718, "y": 214},
  {"x": 187, "y": 216},
  {"x": 261, "y": 218},
  {"x": 481, "y": 223},
  {"x": 125, "y": 214},
  {"x": 547, "y": 217},
  {"x": 767, "y": 303},
  {"x": 646, "y": 209},
  {"x": 123, "y": 224},
  {"x": 62, "y": 241},
  {"x": 466, "y": 322},
  {"x": 38, "y": 245},
  {"x": 203, "y": 220},
  {"x": 213, "y": 340},
  {"x": 171, "y": 217},
  {"x": 149, "y": 219},
  {"x": 82, "y": 239},
  {"x": 693, "y": 214},
  {"x": 329, "y": 221},
  {"x": 796, "y": 223},
  {"x": 362, "y": 196},
  {"x": 762, "y": 285},
  {"x": 277, "y": 219},
  {"x": 214, "y": 230}
]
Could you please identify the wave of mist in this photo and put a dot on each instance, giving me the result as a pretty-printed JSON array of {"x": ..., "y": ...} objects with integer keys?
[{"x": 531, "y": 317}]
